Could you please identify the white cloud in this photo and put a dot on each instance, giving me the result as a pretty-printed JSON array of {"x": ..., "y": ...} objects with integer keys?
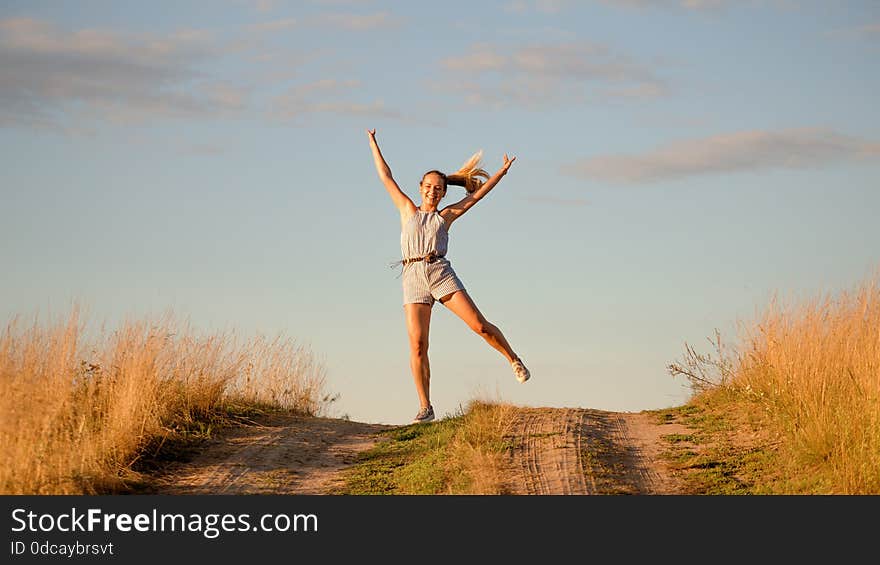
[
  {"x": 376, "y": 108},
  {"x": 262, "y": 6},
  {"x": 273, "y": 26},
  {"x": 557, "y": 6},
  {"x": 735, "y": 152},
  {"x": 542, "y": 74},
  {"x": 325, "y": 96},
  {"x": 49, "y": 75},
  {"x": 203, "y": 149},
  {"x": 560, "y": 6},
  {"x": 866, "y": 31},
  {"x": 546, "y": 6},
  {"x": 329, "y": 21},
  {"x": 643, "y": 90},
  {"x": 872, "y": 30},
  {"x": 357, "y": 22},
  {"x": 687, "y": 4},
  {"x": 339, "y": 2},
  {"x": 693, "y": 5},
  {"x": 38, "y": 36},
  {"x": 481, "y": 59},
  {"x": 556, "y": 201},
  {"x": 340, "y": 21},
  {"x": 74, "y": 80}
]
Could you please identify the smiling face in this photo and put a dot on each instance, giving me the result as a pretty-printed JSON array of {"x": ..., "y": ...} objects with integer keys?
[{"x": 432, "y": 188}]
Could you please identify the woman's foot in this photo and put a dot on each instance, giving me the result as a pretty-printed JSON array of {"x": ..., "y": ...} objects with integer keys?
[
  {"x": 522, "y": 374},
  {"x": 424, "y": 415}
]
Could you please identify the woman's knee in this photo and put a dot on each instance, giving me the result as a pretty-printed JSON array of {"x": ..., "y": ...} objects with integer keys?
[
  {"x": 484, "y": 327},
  {"x": 418, "y": 347}
]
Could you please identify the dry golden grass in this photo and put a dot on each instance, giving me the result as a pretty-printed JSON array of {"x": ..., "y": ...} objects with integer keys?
[
  {"x": 77, "y": 411},
  {"x": 814, "y": 370},
  {"x": 476, "y": 452}
]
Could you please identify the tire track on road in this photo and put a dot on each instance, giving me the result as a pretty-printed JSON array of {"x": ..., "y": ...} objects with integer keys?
[{"x": 563, "y": 451}]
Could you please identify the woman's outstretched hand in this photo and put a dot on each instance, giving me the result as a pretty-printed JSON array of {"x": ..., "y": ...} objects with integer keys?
[
  {"x": 372, "y": 133},
  {"x": 507, "y": 163}
]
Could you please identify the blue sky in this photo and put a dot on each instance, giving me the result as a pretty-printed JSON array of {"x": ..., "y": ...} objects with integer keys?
[{"x": 678, "y": 163}]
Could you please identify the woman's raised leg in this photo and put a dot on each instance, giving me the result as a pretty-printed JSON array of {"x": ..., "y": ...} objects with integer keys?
[{"x": 463, "y": 306}]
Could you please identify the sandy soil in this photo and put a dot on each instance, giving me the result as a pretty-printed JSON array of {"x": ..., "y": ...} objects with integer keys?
[
  {"x": 280, "y": 455},
  {"x": 555, "y": 451},
  {"x": 582, "y": 451}
]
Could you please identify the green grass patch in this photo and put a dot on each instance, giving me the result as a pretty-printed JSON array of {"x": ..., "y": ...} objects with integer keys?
[
  {"x": 407, "y": 460},
  {"x": 671, "y": 415},
  {"x": 713, "y": 459},
  {"x": 459, "y": 454},
  {"x": 678, "y": 438}
]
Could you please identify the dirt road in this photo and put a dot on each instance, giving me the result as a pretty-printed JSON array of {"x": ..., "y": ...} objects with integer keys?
[
  {"x": 581, "y": 451},
  {"x": 281, "y": 454},
  {"x": 554, "y": 451}
]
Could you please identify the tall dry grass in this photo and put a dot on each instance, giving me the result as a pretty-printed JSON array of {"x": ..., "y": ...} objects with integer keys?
[
  {"x": 476, "y": 451},
  {"x": 79, "y": 405},
  {"x": 814, "y": 370}
]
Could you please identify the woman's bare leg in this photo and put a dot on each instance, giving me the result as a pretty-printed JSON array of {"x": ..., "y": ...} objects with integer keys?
[
  {"x": 418, "y": 320},
  {"x": 463, "y": 306}
]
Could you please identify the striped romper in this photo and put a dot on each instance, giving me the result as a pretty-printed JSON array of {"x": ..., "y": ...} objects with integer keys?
[{"x": 425, "y": 282}]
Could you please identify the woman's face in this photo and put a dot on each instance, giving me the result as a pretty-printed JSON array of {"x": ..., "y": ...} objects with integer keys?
[{"x": 433, "y": 188}]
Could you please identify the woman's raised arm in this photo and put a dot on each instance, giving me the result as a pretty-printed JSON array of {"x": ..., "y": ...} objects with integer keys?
[
  {"x": 455, "y": 210},
  {"x": 401, "y": 200}
]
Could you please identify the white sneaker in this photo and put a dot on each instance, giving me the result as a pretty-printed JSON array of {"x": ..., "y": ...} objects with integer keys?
[
  {"x": 424, "y": 415},
  {"x": 522, "y": 374}
]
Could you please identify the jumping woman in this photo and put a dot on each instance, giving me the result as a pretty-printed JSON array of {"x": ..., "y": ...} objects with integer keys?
[{"x": 428, "y": 274}]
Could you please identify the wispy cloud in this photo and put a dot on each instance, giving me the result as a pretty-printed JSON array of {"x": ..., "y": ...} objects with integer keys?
[
  {"x": 686, "y": 4},
  {"x": 329, "y": 21},
  {"x": 270, "y": 5},
  {"x": 272, "y": 26},
  {"x": 49, "y": 75},
  {"x": 555, "y": 201},
  {"x": 694, "y": 5},
  {"x": 203, "y": 150},
  {"x": 73, "y": 80},
  {"x": 559, "y": 6},
  {"x": 262, "y": 6},
  {"x": 735, "y": 152},
  {"x": 357, "y": 22},
  {"x": 540, "y": 74},
  {"x": 867, "y": 31},
  {"x": 327, "y": 96},
  {"x": 546, "y": 6},
  {"x": 539, "y": 33},
  {"x": 340, "y": 2}
]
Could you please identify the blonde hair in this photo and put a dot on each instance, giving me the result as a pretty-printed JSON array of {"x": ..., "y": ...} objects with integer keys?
[{"x": 469, "y": 175}]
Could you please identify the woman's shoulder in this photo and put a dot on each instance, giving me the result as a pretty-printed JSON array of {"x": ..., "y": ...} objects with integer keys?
[{"x": 407, "y": 213}]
